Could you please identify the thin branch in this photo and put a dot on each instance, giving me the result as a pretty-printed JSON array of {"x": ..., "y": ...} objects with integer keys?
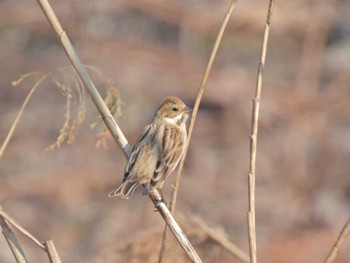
[
  {"x": 44, "y": 77},
  {"x": 111, "y": 123},
  {"x": 11, "y": 239},
  {"x": 198, "y": 100},
  {"x": 17, "y": 251},
  {"x": 193, "y": 119},
  {"x": 340, "y": 240},
  {"x": 52, "y": 252},
  {"x": 21, "y": 228},
  {"x": 253, "y": 140},
  {"x": 81, "y": 71},
  {"x": 19, "y": 114},
  {"x": 179, "y": 234}
]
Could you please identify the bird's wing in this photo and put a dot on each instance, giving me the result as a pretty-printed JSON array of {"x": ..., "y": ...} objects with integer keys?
[
  {"x": 171, "y": 143},
  {"x": 136, "y": 151}
]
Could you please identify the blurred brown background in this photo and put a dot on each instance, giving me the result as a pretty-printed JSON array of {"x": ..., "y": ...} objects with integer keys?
[{"x": 152, "y": 49}]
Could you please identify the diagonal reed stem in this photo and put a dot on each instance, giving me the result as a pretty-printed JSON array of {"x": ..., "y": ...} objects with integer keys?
[
  {"x": 253, "y": 140},
  {"x": 81, "y": 71},
  {"x": 13, "y": 222},
  {"x": 193, "y": 119},
  {"x": 12, "y": 241},
  {"x": 17, "y": 250},
  {"x": 112, "y": 124},
  {"x": 52, "y": 252},
  {"x": 338, "y": 244},
  {"x": 18, "y": 117}
]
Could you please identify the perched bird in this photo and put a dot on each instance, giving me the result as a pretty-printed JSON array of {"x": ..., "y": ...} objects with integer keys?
[{"x": 157, "y": 151}]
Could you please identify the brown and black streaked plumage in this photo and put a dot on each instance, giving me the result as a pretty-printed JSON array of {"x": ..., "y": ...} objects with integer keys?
[{"x": 157, "y": 151}]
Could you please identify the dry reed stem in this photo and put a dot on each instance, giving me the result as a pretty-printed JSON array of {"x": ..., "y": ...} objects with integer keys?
[
  {"x": 52, "y": 252},
  {"x": 19, "y": 114},
  {"x": 253, "y": 140},
  {"x": 163, "y": 210},
  {"x": 193, "y": 118},
  {"x": 17, "y": 251},
  {"x": 114, "y": 103},
  {"x": 11, "y": 240},
  {"x": 81, "y": 71},
  {"x": 111, "y": 123},
  {"x": 340, "y": 240},
  {"x": 21, "y": 228},
  {"x": 67, "y": 132}
]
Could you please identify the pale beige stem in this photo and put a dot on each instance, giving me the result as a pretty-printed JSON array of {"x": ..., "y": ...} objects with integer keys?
[
  {"x": 193, "y": 118},
  {"x": 17, "y": 251},
  {"x": 19, "y": 115},
  {"x": 81, "y": 71},
  {"x": 338, "y": 244},
  {"x": 11, "y": 240},
  {"x": 253, "y": 140},
  {"x": 52, "y": 252},
  {"x": 111, "y": 124},
  {"x": 24, "y": 231}
]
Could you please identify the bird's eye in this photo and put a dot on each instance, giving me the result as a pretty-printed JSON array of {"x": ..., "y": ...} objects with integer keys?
[{"x": 175, "y": 109}]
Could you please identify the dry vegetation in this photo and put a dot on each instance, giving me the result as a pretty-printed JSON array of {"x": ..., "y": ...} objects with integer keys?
[{"x": 152, "y": 49}]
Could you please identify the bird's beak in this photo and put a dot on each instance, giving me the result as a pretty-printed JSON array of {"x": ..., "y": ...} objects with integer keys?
[{"x": 188, "y": 109}]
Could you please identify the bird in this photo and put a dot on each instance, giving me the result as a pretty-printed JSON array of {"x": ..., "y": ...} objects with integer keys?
[{"x": 157, "y": 151}]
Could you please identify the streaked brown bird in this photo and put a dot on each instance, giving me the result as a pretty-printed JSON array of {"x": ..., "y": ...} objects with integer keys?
[{"x": 157, "y": 151}]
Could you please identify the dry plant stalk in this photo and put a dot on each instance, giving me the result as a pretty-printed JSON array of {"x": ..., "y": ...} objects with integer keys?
[
  {"x": 13, "y": 222},
  {"x": 52, "y": 252},
  {"x": 193, "y": 118},
  {"x": 340, "y": 241},
  {"x": 141, "y": 246},
  {"x": 68, "y": 86},
  {"x": 19, "y": 114},
  {"x": 85, "y": 78},
  {"x": 16, "y": 249},
  {"x": 112, "y": 124},
  {"x": 12, "y": 241},
  {"x": 253, "y": 140},
  {"x": 114, "y": 103}
]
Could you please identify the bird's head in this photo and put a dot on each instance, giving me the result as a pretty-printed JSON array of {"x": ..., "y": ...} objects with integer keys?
[{"x": 173, "y": 110}]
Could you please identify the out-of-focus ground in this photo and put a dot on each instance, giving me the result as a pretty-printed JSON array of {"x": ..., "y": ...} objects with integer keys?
[{"x": 152, "y": 49}]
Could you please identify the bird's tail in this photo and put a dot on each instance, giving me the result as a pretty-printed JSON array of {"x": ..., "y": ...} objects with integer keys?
[{"x": 125, "y": 191}]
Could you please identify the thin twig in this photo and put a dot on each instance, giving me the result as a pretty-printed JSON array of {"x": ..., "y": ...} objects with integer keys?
[
  {"x": 19, "y": 114},
  {"x": 111, "y": 123},
  {"x": 179, "y": 234},
  {"x": 21, "y": 228},
  {"x": 52, "y": 252},
  {"x": 17, "y": 251},
  {"x": 44, "y": 77},
  {"x": 193, "y": 118},
  {"x": 81, "y": 71},
  {"x": 253, "y": 140},
  {"x": 340, "y": 240},
  {"x": 11, "y": 239}
]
